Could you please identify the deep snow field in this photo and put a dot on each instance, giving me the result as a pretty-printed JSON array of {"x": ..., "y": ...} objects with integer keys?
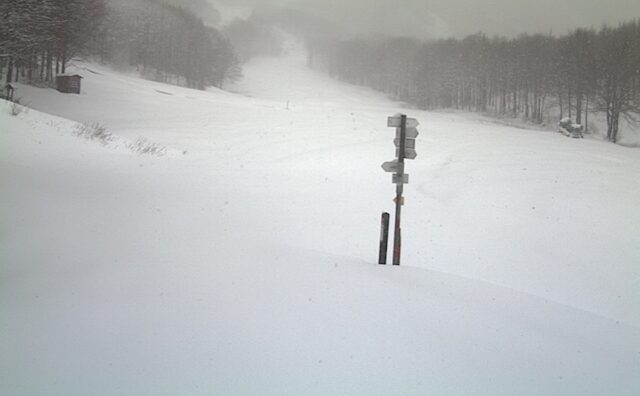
[{"x": 243, "y": 261}]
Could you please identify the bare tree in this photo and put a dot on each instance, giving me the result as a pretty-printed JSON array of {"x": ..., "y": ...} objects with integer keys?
[{"x": 617, "y": 63}]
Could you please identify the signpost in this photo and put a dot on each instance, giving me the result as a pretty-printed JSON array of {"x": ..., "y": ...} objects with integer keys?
[
  {"x": 412, "y": 133},
  {"x": 396, "y": 122},
  {"x": 408, "y": 143},
  {"x": 399, "y": 179},
  {"x": 392, "y": 166},
  {"x": 405, "y": 143},
  {"x": 409, "y": 153}
]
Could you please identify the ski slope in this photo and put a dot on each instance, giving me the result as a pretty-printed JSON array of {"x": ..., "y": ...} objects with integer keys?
[{"x": 243, "y": 260}]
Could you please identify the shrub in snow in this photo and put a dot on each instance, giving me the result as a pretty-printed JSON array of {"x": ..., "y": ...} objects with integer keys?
[
  {"x": 94, "y": 131},
  {"x": 144, "y": 146},
  {"x": 16, "y": 108}
]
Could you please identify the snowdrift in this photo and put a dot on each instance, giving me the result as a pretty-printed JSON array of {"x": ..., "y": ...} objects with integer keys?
[{"x": 242, "y": 260}]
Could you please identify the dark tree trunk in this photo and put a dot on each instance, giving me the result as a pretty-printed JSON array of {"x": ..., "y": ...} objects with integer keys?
[
  {"x": 49, "y": 66},
  {"x": 10, "y": 71},
  {"x": 586, "y": 114},
  {"x": 63, "y": 60},
  {"x": 579, "y": 109}
]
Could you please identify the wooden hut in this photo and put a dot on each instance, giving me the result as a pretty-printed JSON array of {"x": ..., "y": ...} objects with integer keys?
[
  {"x": 66, "y": 83},
  {"x": 9, "y": 90}
]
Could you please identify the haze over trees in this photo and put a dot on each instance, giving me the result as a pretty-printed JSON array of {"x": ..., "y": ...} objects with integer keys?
[
  {"x": 253, "y": 38},
  {"x": 204, "y": 9},
  {"x": 586, "y": 70},
  {"x": 38, "y": 37},
  {"x": 165, "y": 42},
  {"x": 575, "y": 75}
]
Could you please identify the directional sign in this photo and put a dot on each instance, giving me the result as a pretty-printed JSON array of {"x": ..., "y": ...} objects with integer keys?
[
  {"x": 408, "y": 143},
  {"x": 400, "y": 179},
  {"x": 409, "y": 153},
  {"x": 393, "y": 166},
  {"x": 412, "y": 133},
  {"x": 396, "y": 121},
  {"x": 405, "y": 142}
]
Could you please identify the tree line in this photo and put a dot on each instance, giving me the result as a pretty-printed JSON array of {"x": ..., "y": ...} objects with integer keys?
[
  {"x": 165, "y": 42},
  {"x": 38, "y": 37},
  {"x": 584, "y": 71}
]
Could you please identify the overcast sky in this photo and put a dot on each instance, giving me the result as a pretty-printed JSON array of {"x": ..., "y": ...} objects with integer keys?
[{"x": 444, "y": 18}]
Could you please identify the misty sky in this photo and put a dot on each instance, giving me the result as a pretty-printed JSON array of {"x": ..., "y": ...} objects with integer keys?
[{"x": 444, "y": 18}]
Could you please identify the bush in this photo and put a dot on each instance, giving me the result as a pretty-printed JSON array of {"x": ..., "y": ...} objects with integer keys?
[
  {"x": 16, "y": 108},
  {"x": 94, "y": 131},
  {"x": 144, "y": 146}
]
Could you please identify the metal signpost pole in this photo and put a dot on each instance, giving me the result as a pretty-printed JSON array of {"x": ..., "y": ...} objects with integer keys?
[
  {"x": 397, "y": 237},
  {"x": 405, "y": 142}
]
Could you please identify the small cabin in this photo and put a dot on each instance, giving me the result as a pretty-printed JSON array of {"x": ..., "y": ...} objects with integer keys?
[
  {"x": 66, "y": 83},
  {"x": 9, "y": 90}
]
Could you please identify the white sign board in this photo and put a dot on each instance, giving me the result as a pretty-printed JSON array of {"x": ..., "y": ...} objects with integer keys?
[
  {"x": 408, "y": 143},
  {"x": 393, "y": 166},
  {"x": 400, "y": 179},
  {"x": 396, "y": 121},
  {"x": 408, "y": 153},
  {"x": 411, "y": 133}
]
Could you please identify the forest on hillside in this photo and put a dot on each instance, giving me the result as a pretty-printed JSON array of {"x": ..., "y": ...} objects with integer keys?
[
  {"x": 164, "y": 41},
  {"x": 577, "y": 74},
  {"x": 585, "y": 71}
]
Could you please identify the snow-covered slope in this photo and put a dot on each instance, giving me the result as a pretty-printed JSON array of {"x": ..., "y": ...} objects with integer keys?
[{"x": 243, "y": 260}]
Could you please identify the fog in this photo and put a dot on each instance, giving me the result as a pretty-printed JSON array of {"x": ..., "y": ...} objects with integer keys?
[{"x": 457, "y": 18}]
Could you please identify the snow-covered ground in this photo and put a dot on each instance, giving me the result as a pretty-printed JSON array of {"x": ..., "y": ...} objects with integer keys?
[{"x": 244, "y": 260}]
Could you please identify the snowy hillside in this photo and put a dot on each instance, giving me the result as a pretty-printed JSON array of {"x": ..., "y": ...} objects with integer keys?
[{"x": 243, "y": 261}]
